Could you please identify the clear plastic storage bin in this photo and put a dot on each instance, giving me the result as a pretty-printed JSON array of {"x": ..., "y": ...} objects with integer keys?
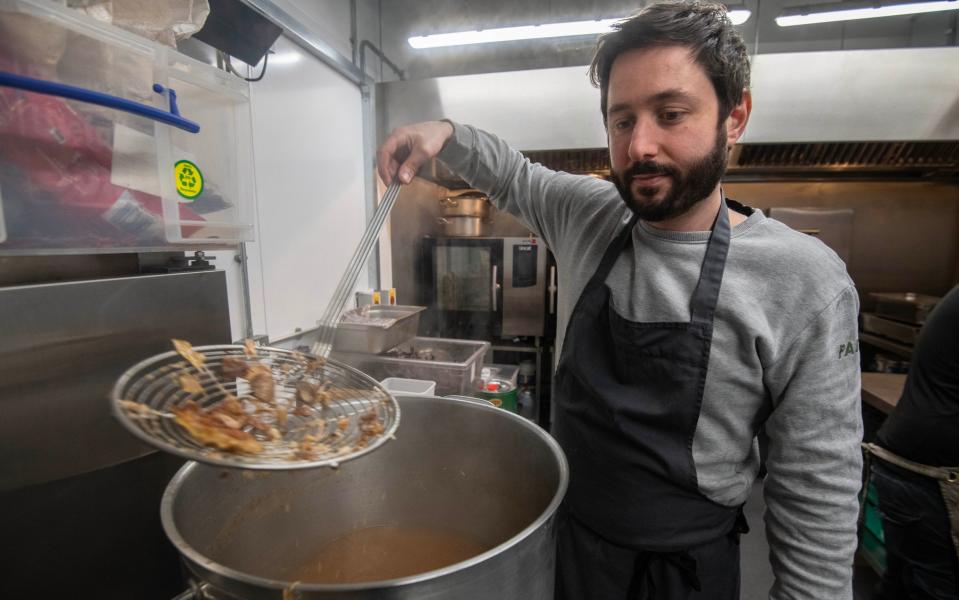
[{"x": 110, "y": 141}]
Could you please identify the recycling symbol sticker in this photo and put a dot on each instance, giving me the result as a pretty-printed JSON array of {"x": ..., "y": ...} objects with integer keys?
[{"x": 189, "y": 179}]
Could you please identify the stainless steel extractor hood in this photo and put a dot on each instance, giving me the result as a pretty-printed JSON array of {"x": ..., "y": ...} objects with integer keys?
[
  {"x": 921, "y": 159},
  {"x": 871, "y": 160}
]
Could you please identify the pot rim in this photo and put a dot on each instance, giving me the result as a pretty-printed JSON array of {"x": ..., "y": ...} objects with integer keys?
[
  {"x": 468, "y": 196},
  {"x": 477, "y": 217},
  {"x": 465, "y": 194},
  {"x": 170, "y": 528},
  {"x": 470, "y": 206}
]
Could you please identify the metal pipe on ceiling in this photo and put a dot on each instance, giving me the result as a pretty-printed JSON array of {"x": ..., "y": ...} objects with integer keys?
[
  {"x": 379, "y": 53},
  {"x": 353, "y": 45},
  {"x": 304, "y": 38}
]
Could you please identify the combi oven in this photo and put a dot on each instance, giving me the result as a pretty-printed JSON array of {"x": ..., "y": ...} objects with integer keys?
[{"x": 484, "y": 287}]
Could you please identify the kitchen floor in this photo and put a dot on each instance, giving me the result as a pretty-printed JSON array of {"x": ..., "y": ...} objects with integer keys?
[{"x": 757, "y": 576}]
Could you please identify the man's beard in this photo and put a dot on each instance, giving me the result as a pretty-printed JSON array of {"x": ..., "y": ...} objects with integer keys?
[{"x": 689, "y": 187}]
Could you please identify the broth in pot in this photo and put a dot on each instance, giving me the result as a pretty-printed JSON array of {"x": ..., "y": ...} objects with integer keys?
[{"x": 387, "y": 552}]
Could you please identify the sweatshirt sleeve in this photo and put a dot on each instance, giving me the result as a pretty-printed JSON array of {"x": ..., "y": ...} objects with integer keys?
[
  {"x": 814, "y": 461},
  {"x": 543, "y": 199}
]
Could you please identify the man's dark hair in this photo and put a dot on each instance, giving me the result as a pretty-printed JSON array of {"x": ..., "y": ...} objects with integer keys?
[{"x": 703, "y": 27}]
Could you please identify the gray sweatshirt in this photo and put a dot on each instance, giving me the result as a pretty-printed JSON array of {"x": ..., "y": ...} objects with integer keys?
[{"x": 784, "y": 353}]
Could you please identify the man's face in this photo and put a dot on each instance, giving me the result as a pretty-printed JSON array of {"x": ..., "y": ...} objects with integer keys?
[{"x": 666, "y": 150}]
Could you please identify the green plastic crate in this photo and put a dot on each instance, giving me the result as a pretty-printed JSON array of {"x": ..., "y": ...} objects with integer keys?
[
  {"x": 872, "y": 495},
  {"x": 872, "y": 540},
  {"x": 874, "y": 551},
  {"x": 873, "y": 520}
]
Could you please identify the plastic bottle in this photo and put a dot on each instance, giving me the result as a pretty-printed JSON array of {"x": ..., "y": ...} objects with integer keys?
[{"x": 525, "y": 402}]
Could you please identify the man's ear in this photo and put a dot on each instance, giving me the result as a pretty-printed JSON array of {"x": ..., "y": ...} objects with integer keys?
[{"x": 736, "y": 122}]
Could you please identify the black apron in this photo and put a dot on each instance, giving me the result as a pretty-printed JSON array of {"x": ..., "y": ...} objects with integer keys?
[{"x": 628, "y": 397}]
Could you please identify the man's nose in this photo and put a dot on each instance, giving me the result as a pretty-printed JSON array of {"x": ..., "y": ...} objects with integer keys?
[{"x": 644, "y": 142}]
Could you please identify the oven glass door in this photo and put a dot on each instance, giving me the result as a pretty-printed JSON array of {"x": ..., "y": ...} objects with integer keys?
[
  {"x": 463, "y": 277},
  {"x": 463, "y": 287}
]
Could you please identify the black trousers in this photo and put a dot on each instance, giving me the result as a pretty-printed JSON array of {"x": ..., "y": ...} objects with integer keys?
[
  {"x": 920, "y": 559},
  {"x": 588, "y": 567}
]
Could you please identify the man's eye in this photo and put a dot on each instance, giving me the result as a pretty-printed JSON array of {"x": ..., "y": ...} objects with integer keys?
[
  {"x": 671, "y": 116},
  {"x": 622, "y": 124}
]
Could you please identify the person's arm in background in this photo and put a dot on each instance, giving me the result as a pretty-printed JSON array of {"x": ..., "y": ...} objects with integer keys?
[
  {"x": 541, "y": 198},
  {"x": 814, "y": 460}
]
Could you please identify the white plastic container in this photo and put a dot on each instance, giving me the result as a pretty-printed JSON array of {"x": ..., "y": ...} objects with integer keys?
[
  {"x": 409, "y": 387},
  {"x": 96, "y": 157}
]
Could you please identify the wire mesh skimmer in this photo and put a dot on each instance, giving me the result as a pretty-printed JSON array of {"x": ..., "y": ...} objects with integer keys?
[
  {"x": 346, "y": 415},
  {"x": 209, "y": 403}
]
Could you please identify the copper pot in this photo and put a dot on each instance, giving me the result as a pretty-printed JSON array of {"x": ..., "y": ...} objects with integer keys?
[
  {"x": 467, "y": 205},
  {"x": 464, "y": 226}
]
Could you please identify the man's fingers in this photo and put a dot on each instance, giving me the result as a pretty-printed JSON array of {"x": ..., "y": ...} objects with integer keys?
[
  {"x": 385, "y": 163},
  {"x": 412, "y": 164},
  {"x": 407, "y": 149},
  {"x": 386, "y": 167}
]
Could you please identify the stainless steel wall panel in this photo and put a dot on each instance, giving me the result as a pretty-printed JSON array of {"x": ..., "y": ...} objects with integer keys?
[
  {"x": 62, "y": 346},
  {"x": 532, "y": 110},
  {"x": 905, "y": 235},
  {"x": 900, "y": 94},
  {"x": 858, "y": 96}
]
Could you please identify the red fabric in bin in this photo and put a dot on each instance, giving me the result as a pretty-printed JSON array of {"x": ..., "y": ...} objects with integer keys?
[{"x": 49, "y": 151}]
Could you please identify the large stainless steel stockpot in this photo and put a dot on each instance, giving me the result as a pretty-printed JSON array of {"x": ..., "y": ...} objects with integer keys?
[{"x": 454, "y": 466}]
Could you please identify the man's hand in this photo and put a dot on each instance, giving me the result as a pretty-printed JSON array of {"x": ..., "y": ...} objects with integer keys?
[{"x": 407, "y": 148}]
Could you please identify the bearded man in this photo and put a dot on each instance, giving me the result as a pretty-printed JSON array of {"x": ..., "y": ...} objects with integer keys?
[{"x": 687, "y": 323}]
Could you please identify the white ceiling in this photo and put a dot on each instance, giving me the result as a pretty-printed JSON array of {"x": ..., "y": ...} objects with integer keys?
[{"x": 400, "y": 19}]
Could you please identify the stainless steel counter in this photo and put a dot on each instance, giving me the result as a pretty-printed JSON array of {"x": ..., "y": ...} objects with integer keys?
[{"x": 62, "y": 345}]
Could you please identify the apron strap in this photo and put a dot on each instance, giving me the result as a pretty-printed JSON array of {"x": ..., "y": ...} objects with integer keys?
[
  {"x": 706, "y": 295},
  {"x": 703, "y": 304},
  {"x": 612, "y": 253},
  {"x": 948, "y": 474}
]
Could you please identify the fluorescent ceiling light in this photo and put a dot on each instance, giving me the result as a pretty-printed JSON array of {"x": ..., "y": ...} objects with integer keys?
[
  {"x": 851, "y": 14},
  {"x": 739, "y": 16},
  {"x": 532, "y": 32},
  {"x": 284, "y": 58},
  {"x": 507, "y": 34}
]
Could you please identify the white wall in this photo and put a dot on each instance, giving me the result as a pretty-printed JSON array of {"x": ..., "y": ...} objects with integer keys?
[
  {"x": 310, "y": 194},
  {"x": 224, "y": 260},
  {"x": 310, "y": 182},
  {"x": 308, "y": 156}
]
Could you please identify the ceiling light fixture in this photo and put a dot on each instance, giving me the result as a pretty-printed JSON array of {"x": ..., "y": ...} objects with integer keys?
[
  {"x": 284, "y": 58},
  {"x": 739, "y": 15},
  {"x": 508, "y": 34},
  {"x": 866, "y": 12},
  {"x": 532, "y": 32}
]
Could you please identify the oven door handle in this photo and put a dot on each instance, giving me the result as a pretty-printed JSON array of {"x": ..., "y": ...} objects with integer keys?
[{"x": 494, "y": 288}]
